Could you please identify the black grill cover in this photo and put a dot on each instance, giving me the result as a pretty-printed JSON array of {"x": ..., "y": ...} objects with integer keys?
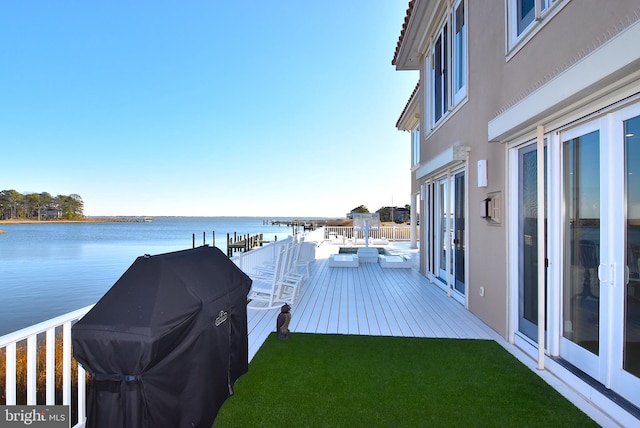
[{"x": 166, "y": 343}]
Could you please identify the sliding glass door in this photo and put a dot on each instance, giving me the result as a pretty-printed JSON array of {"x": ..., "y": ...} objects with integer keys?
[
  {"x": 581, "y": 249},
  {"x": 450, "y": 197},
  {"x": 459, "y": 232},
  {"x": 600, "y": 290},
  {"x": 625, "y": 317},
  {"x": 528, "y": 242}
]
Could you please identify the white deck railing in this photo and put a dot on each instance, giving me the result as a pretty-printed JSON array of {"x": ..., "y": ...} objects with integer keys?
[
  {"x": 258, "y": 256},
  {"x": 31, "y": 337},
  {"x": 391, "y": 233}
]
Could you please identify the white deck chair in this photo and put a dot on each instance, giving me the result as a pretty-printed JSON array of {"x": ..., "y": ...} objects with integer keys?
[
  {"x": 291, "y": 270},
  {"x": 265, "y": 290},
  {"x": 267, "y": 270},
  {"x": 289, "y": 288},
  {"x": 290, "y": 280},
  {"x": 299, "y": 262}
]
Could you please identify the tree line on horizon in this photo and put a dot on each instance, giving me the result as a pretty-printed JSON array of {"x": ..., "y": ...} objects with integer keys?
[{"x": 40, "y": 206}]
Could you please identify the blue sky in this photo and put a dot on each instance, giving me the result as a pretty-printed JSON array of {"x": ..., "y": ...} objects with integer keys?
[{"x": 205, "y": 108}]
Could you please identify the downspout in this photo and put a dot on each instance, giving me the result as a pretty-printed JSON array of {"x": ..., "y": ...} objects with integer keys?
[
  {"x": 541, "y": 247},
  {"x": 448, "y": 229}
]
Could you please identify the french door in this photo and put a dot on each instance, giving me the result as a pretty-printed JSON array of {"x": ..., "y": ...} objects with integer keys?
[
  {"x": 581, "y": 245},
  {"x": 528, "y": 242},
  {"x": 600, "y": 248},
  {"x": 450, "y": 197},
  {"x": 625, "y": 375}
]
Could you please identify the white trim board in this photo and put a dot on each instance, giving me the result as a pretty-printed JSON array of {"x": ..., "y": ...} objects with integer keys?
[
  {"x": 449, "y": 157},
  {"x": 577, "y": 82}
]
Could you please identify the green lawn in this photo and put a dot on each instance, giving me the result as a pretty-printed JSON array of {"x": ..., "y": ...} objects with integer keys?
[{"x": 315, "y": 380}]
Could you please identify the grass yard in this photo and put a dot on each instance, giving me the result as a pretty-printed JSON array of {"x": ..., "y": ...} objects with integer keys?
[{"x": 315, "y": 380}]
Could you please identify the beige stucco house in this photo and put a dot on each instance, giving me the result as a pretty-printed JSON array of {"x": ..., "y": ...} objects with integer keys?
[{"x": 502, "y": 85}]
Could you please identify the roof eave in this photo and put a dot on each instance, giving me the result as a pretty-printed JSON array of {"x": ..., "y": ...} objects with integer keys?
[
  {"x": 413, "y": 37},
  {"x": 410, "y": 116}
]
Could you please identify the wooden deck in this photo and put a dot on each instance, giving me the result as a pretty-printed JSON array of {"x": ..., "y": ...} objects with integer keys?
[{"x": 369, "y": 300}]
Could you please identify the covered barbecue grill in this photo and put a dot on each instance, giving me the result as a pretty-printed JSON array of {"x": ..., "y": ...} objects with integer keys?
[{"x": 166, "y": 343}]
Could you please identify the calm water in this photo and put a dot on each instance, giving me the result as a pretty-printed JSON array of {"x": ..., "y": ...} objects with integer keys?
[{"x": 49, "y": 269}]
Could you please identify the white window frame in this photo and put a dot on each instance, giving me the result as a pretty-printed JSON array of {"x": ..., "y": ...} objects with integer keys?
[
  {"x": 415, "y": 146},
  {"x": 439, "y": 51},
  {"x": 459, "y": 52},
  {"x": 452, "y": 54},
  {"x": 543, "y": 11}
]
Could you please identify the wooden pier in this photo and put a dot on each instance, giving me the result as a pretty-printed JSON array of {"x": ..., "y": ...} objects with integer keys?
[
  {"x": 243, "y": 243},
  {"x": 297, "y": 225},
  {"x": 236, "y": 242}
]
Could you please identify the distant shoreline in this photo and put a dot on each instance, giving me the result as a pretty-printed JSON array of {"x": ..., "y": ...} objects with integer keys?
[
  {"x": 328, "y": 222},
  {"x": 82, "y": 220}
]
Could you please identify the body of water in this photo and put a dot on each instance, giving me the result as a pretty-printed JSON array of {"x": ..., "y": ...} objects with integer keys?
[{"x": 50, "y": 269}]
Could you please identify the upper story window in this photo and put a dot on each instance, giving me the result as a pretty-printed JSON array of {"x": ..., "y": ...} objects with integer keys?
[
  {"x": 440, "y": 74},
  {"x": 526, "y": 12},
  {"x": 447, "y": 63},
  {"x": 526, "y": 17},
  {"x": 459, "y": 51},
  {"x": 415, "y": 146}
]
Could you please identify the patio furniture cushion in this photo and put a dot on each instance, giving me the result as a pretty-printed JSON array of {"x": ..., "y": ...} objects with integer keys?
[
  {"x": 343, "y": 260},
  {"x": 395, "y": 261}
]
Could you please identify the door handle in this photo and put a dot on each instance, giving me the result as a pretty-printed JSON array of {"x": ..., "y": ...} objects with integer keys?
[
  {"x": 626, "y": 274},
  {"x": 607, "y": 273}
]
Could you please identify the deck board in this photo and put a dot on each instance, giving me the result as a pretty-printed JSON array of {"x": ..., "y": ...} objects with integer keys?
[{"x": 369, "y": 300}]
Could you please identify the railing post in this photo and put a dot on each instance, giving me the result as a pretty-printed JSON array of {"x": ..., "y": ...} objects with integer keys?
[
  {"x": 10, "y": 388},
  {"x": 31, "y": 370},
  {"x": 66, "y": 363},
  {"x": 50, "y": 383}
]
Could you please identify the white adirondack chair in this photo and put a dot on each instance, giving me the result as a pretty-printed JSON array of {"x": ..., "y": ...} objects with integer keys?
[
  {"x": 289, "y": 280},
  {"x": 290, "y": 271},
  {"x": 265, "y": 289},
  {"x": 300, "y": 262}
]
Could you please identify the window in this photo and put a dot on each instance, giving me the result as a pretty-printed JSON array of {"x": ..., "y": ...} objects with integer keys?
[
  {"x": 527, "y": 16},
  {"x": 415, "y": 146},
  {"x": 459, "y": 52},
  {"x": 526, "y": 11},
  {"x": 447, "y": 63},
  {"x": 439, "y": 75}
]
